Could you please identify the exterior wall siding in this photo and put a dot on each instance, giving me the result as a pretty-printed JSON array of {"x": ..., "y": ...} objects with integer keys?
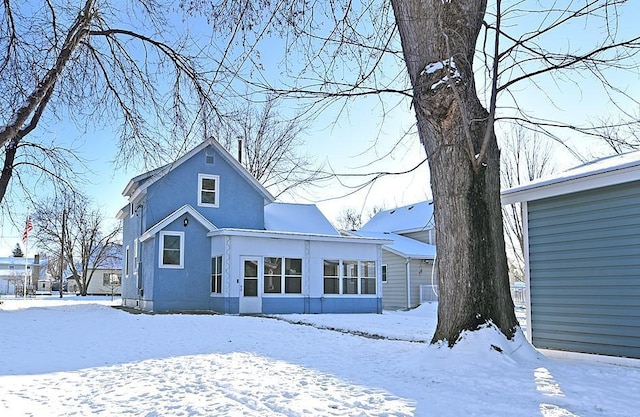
[
  {"x": 420, "y": 275},
  {"x": 584, "y": 256},
  {"x": 394, "y": 291},
  {"x": 425, "y": 236}
]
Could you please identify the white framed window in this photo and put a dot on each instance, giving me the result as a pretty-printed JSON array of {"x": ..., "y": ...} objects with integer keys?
[
  {"x": 132, "y": 210},
  {"x": 331, "y": 276},
  {"x": 216, "y": 275},
  {"x": 282, "y": 275},
  {"x": 127, "y": 265},
  {"x": 135, "y": 257},
  {"x": 171, "y": 250},
  {"x": 384, "y": 273},
  {"x": 208, "y": 190},
  {"x": 349, "y": 277}
]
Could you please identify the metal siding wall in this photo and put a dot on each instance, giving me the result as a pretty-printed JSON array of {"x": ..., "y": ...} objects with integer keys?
[{"x": 585, "y": 271}]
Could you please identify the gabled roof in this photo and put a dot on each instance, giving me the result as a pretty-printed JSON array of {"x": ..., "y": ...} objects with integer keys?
[
  {"x": 301, "y": 218},
  {"x": 138, "y": 185},
  {"x": 402, "y": 245},
  {"x": 602, "y": 172},
  {"x": 406, "y": 219},
  {"x": 172, "y": 217}
]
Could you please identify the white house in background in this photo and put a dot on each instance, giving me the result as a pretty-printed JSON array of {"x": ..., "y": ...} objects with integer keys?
[
  {"x": 12, "y": 273},
  {"x": 106, "y": 279},
  {"x": 203, "y": 234},
  {"x": 582, "y": 258},
  {"x": 408, "y": 260}
]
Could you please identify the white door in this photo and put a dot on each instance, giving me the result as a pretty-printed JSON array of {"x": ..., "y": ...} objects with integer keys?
[{"x": 250, "y": 288}]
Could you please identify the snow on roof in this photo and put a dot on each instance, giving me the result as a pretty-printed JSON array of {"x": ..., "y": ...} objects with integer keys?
[
  {"x": 410, "y": 218},
  {"x": 402, "y": 245},
  {"x": 301, "y": 218},
  {"x": 601, "y": 172}
]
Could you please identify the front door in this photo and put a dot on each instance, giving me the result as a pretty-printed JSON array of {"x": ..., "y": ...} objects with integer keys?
[{"x": 250, "y": 293}]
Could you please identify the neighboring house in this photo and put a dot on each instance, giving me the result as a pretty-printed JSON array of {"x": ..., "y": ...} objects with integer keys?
[
  {"x": 582, "y": 264},
  {"x": 203, "y": 234},
  {"x": 12, "y": 273},
  {"x": 106, "y": 278},
  {"x": 408, "y": 260}
]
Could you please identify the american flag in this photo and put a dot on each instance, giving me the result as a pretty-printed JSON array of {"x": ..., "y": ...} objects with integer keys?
[{"x": 27, "y": 228}]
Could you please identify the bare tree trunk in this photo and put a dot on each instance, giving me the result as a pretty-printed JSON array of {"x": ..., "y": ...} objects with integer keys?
[{"x": 438, "y": 40}]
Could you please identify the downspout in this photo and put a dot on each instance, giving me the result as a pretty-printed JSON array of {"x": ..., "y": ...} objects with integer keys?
[{"x": 408, "y": 269}]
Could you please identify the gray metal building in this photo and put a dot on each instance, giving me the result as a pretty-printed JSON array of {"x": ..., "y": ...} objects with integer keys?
[{"x": 583, "y": 260}]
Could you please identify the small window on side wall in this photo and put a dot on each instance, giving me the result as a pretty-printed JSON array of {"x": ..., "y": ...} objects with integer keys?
[
  {"x": 171, "y": 250},
  {"x": 208, "y": 190},
  {"x": 384, "y": 272}
]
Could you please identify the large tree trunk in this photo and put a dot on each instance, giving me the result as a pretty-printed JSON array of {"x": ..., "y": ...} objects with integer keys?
[{"x": 438, "y": 40}]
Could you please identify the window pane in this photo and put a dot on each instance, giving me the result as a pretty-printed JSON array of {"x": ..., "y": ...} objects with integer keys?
[
  {"x": 368, "y": 269},
  {"x": 331, "y": 286},
  {"x": 172, "y": 242},
  {"x": 349, "y": 269},
  {"x": 293, "y": 266},
  {"x": 384, "y": 273},
  {"x": 208, "y": 184},
  {"x": 350, "y": 286},
  {"x": 293, "y": 285},
  {"x": 273, "y": 266},
  {"x": 250, "y": 287},
  {"x": 368, "y": 286},
  {"x": 251, "y": 269},
  {"x": 208, "y": 197},
  {"x": 219, "y": 284},
  {"x": 331, "y": 268},
  {"x": 171, "y": 257}
]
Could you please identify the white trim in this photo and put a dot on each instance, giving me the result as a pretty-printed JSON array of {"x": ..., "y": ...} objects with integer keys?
[
  {"x": 215, "y": 191},
  {"x": 172, "y": 217},
  {"x": 527, "y": 274},
  {"x": 569, "y": 182},
  {"x": 296, "y": 236},
  {"x": 591, "y": 357},
  {"x": 127, "y": 264},
  {"x": 134, "y": 272},
  {"x": 161, "y": 249}
]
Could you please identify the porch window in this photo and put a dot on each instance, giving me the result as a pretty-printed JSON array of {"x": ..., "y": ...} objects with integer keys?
[
  {"x": 208, "y": 190},
  {"x": 282, "y": 273},
  {"x": 293, "y": 276},
  {"x": 350, "y": 277},
  {"x": 331, "y": 277},
  {"x": 216, "y": 275},
  {"x": 171, "y": 250},
  {"x": 368, "y": 277}
]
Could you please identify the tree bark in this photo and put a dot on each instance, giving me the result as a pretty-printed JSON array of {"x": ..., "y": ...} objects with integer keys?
[{"x": 438, "y": 41}]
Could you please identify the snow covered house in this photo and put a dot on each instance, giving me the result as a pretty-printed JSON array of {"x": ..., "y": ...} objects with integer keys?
[
  {"x": 203, "y": 234},
  {"x": 582, "y": 234},
  {"x": 408, "y": 260},
  {"x": 12, "y": 273}
]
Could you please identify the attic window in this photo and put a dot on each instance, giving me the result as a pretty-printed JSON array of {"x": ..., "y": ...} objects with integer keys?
[
  {"x": 208, "y": 190},
  {"x": 208, "y": 159}
]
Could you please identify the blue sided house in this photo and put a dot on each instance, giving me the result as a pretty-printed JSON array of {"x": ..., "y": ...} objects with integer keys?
[{"x": 201, "y": 234}]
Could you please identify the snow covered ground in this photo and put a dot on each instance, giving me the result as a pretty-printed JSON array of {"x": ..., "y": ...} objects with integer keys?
[{"x": 78, "y": 357}]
